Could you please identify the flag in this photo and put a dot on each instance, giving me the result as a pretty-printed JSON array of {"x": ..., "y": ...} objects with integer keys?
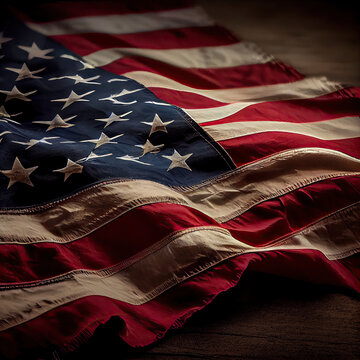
[{"x": 148, "y": 158}]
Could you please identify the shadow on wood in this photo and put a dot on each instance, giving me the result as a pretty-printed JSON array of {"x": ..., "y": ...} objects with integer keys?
[{"x": 264, "y": 317}]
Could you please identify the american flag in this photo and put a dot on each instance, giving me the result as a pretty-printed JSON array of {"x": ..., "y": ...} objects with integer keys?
[{"x": 148, "y": 158}]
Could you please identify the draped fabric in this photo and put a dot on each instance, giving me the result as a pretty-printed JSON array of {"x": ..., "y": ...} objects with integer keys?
[{"x": 148, "y": 158}]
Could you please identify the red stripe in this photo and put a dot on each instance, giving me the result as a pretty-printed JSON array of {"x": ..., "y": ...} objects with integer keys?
[
  {"x": 279, "y": 217},
  {"x": 218, "y": 78},
  {"x": 85, "y": 44},
  {"x": 189, "y": 100},
  {"x": 249, "y": 148},
  {"x": 113, "y": 244},
  {"x": 326, "y": 107},
  {"x": 64, "y": 10},
  {"x": 144, "y": 324}
]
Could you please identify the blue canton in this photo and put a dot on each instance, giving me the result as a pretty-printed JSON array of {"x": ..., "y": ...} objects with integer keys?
[{"x": 66, "y": 126}]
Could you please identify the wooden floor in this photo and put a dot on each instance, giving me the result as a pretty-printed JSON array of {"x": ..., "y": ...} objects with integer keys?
[{"x": 266, "y": 317}]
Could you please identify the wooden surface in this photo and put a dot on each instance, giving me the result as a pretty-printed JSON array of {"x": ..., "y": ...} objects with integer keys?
[{"x": 266, "y": 317}]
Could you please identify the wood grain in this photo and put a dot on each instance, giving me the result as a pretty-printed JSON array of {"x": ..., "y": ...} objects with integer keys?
[{"x": 274, "y": 319}]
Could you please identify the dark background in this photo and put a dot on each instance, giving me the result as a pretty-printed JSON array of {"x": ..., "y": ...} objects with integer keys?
[{"x": 318, "y": 37}]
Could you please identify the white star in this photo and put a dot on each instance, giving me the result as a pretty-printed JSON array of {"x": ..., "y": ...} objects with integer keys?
[
  {"x": 127, "y": 92},
  {"x": 19, "y": 174},
  {"x": 25, "y": 73},
  {"x": 102, "y": 140},
  {"x": 10, "y": 121},
  {"x": 79, "y": 79},
  {"x": 35, "y": 52},
  {"x": 157, "y": 124},
  {"x": 113, "y": 80},
  {"x": 56, "y": 122},
  {"x": 148, "y": 147},
  {"x": 3, "y": 39},
  {"x": 14, "y": 93},
  {"x": 73, "y": 97},
  {"x": 113, "y": 117},
  {"x": 156, "y": 103},
  {"x": 4, "y": 113},
  {"x": 132, "y": 158},
  {"x": 66, "y": 56},
  {"x": 114, "y": 101},
  {"x": 85, "y": 64},
  {"x": 5, "y": 132},
  {"x": 92, "y": 156},
  {"x": 70, "y": 168},
  {"x": 177, "y": 160},
  {"x": 33, "y": 142}
]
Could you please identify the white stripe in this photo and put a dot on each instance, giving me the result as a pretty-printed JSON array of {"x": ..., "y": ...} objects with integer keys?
[
  {"x": 302, "y": 89},
  {"x": 222, "y": 198},
  {"x": 336, "y": 129},
  {"x": 125, "y": 24},
  {"x": 219, "y": 112},
  {"x": 174, "y": 260},
  {"x": 241, "y": 53}
]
